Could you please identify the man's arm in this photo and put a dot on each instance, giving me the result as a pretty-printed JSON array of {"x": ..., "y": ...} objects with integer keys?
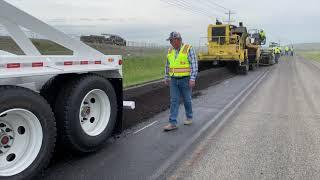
[{"x": 193, "y": 64}]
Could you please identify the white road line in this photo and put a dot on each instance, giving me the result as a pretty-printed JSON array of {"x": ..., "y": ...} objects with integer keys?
[{"x": 145, "y": 127}]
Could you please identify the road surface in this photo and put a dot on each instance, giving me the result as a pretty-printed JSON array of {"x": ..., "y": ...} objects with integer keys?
[
  {"x": 274, "y": 134},
  {"x": 145, "y": 151}
]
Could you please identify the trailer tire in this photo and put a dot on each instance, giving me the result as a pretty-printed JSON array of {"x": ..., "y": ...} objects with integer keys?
[
  {"x": 52, "y": 87},
  {"x": 86, "y": 111},
  {"x": 27, "y": 133}
]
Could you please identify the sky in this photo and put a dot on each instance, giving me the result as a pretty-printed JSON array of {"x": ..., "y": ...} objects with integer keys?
[{"x": 151, "y": 21}]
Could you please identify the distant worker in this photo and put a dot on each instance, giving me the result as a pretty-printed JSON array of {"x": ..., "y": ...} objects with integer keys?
[
  {"x": 180, "y": 74},
  {"x": 277, "y": 53},
  {"x": 218, "y": 22},
  {"x": 262, "y": 36},
  {"x": 286, "y": 50},
  {"x": 291, "y": 50}
]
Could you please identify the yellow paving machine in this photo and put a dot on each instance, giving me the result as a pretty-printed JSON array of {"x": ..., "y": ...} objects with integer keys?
[{"x": 232, "y": 46}]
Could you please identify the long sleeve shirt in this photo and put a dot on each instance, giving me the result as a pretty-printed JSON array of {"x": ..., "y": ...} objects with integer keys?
[{"x": 193, "y": 64}]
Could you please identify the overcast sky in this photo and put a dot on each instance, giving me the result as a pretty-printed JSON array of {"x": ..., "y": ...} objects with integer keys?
[{"x": 152, "y": 20}]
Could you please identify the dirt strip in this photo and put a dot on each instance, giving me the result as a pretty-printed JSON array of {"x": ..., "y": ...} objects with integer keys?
[{"x": 152, "y": 98}]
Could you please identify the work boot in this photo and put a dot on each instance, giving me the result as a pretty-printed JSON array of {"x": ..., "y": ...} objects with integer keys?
[
  {"x": 188, "y": 122},
  {"x": 170, "y": 127}
]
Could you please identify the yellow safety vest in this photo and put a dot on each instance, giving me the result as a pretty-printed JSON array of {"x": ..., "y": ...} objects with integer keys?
[{"x": 179, "y": 66}]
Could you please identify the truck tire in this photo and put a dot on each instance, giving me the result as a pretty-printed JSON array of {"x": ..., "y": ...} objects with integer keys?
[
  {"x": 86, "y": 110},
  {"x": 27, "y": 133},
  {"x": 52, "y": 87}
]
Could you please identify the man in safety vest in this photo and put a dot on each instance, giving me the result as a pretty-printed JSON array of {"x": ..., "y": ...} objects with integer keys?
[
  {"x": 180, "y": 74},
  {"x": 291, "y": 50},
  {"x": 262, "y": 36},
  {"x": 287, "y": 50},
  {"x": 277, "y": 52}
]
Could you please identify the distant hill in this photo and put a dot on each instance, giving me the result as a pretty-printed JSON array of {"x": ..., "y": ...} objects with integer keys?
[{"x": 307, "y": 46}]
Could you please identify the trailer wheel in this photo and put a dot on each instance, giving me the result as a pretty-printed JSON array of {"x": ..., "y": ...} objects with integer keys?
[
  {"x": 51, "y": 88},
  {"x": 27, "y": 133},
  {"x": 86, "y": 113}
]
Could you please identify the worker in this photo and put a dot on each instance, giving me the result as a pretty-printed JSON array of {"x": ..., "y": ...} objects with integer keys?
[
  {"x": 180, "y": 74},
  {"x": 286, "y": 50},
  {"x": 277, "y": 53},
  {"x": 262, "y": 36},
  {"x": 218, "y": 22},
  {"x": 291, "y": 50}
]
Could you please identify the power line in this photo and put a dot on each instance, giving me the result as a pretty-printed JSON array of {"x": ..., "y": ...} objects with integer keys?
[
  {"x": 191, "y": 7},
  {"x": 187, "y": 9},
  {"x": 194, "y": 7},
  {"x": 204, "y": 8},
  {"x": 218, "y": 5},
  {"x": 207, "y": 4}
]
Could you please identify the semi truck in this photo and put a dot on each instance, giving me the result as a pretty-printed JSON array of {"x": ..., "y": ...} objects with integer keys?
[{"x": 74, "y": 101}]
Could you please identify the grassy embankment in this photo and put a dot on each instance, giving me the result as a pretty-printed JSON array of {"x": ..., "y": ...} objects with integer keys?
[
  {"x": 144, "y": 68},
  {"x": 312, "y": 55},
  {"x": 140, "y": 64},
  {"x": 309, "y": 51}
]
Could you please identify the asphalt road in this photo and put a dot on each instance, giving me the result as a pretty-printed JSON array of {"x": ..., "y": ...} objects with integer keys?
[
  {"x": 145, "y": 151},
  {"x": 274, "y": 134}
]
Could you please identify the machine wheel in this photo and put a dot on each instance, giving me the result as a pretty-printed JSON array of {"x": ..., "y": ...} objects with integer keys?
[
  {"x": 244, "y": 68},
  {"x": 27, "y": 133},
  {"x": 86, "y": 113},
  {"x": 253, "y": 67},
  {"x": 233, "y": 67}
]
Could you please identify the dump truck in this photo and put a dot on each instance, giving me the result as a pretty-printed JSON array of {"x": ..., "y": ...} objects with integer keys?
[
  {"x": 74, "y": 101},
  {"x": 230, "y": 45},
  {"x": 110, "y": 39}
]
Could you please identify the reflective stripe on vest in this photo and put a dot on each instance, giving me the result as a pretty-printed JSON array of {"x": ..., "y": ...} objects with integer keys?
[
  {"x": 179, "y": 70},
  {"x": 179, "y": 65}
]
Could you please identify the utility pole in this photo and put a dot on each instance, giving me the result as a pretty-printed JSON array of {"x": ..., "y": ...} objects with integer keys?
[{"x": 229, "y": 13}]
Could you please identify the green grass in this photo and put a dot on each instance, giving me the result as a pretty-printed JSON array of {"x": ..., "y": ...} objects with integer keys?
[
  {"x": 50, "y": 48},
  {"x": 143, "y": 68},
  {"x": 312, "y": 55}
]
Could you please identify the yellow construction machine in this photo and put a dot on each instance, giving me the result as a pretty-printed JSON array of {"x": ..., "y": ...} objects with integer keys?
[{"x": 231, "y": 46}]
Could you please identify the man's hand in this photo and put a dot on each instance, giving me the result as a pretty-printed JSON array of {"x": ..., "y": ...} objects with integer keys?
[
  {"x": 192, "y": 83},
  {"x": 167, "y": 82}
]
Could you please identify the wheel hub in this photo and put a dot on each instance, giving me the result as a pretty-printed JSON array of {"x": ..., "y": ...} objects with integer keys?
[
  {"x": 86, "y": 110},
  {"x": 94, "y": 112},
  {"x": 6, "y": 137},
  {"x": 4, "y": 140}
]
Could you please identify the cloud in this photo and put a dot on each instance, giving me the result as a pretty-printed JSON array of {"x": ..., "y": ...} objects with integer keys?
[{"x": 151, "y": 20}]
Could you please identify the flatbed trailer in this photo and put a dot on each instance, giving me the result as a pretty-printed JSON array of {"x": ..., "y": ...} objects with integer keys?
[{"x": 74, "y": 101}]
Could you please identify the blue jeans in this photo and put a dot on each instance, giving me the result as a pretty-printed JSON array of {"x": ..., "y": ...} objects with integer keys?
[{"x": 178, "y": 88}]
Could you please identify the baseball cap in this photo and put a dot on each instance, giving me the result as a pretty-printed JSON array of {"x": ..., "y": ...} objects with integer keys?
[{"x": 174, "y": 35}]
